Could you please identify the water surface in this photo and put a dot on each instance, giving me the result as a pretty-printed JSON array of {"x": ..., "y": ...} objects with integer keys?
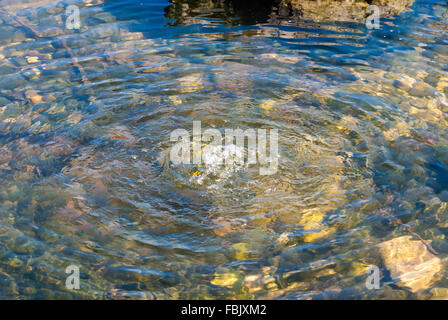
[{"x": 85, "y": 120}]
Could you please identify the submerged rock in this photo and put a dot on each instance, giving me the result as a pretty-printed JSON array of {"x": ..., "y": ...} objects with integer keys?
[
  {"x": 33, "y": 96},
  {"x": 410, "y": 263},
  {"x": 191, "y": 83},
  {"x": 223, "y": 278},
  {"x": 121, "y": 133},
  {"x": 439, "y": 293},
  {"x": 224, "y": 225}
]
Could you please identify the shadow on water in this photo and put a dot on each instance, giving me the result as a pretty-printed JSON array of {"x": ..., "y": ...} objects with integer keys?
[
  {"x": 232, "y": 12},
  {"x": 228, "y": 12}
]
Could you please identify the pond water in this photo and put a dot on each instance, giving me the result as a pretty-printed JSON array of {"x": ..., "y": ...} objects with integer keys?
[{"x": 85, "y": 121}]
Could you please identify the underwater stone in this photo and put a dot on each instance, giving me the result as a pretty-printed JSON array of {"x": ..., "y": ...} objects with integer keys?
[
  {"x": 225, "y": 279},
  {"x": 439, "y": 293},
  {"x": 32, "y": 59},
  {"x": 6, "y": 32},
  {"x": 4, "y": 101},
  {"x": 410, "y": 263},
  {"x": 33, "y": 96},
  {"x": 18, "y": 36},
  {"x": 440, "y": 245}
]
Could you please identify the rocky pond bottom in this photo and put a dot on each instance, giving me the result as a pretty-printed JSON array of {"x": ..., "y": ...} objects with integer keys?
[{"x": 85, "y": 121}]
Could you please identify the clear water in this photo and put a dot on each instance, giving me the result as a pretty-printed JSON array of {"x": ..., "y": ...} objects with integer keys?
[{"x": 85, "y": 120}]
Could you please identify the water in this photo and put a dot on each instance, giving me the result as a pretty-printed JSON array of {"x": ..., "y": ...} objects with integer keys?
[{"x": 85, "y": 121}]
